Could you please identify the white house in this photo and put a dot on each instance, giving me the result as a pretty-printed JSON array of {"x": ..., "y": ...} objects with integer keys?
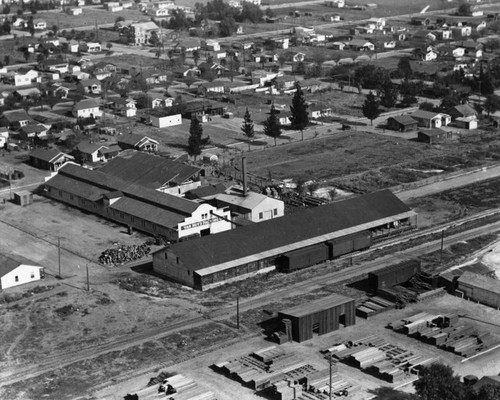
[
  {"x": 86, "y": 108},
  {"x": 39, "y": 24},
  {"x": 168, "y": 120},
  {"x": 17, "y": 270},
  {"x": 458, "y": 52},
  {"x": 429, "y": 119},
  {"x": 125, "y": 106},
  {"x": 93, "y": 47},
  {"x": 390, "y": 44}
]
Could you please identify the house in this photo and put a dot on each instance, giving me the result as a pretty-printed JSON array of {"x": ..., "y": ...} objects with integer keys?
[
  {"x": 284, "y": 118},
  {"x": 262, "y": 77},
  {"x": 52, "y": 64},
  {"x": 211, "y": 45},
  {"x": 21, "y": 77},
  {"x": 16, "y": 270},
  {"x": 92, "y": 47},
  {"x": 432, "y": 36},
  {"x": 91, "y": 86},
  {"x": 58, "y": 90},
  {"x": 443, "y": 34},
  {"x": 458, "y": 52},
  {"x": 138, "y": 142},
  {"x": 281, "y": 43},
  {"x": 311, "y": 85},
  {"x": 211, "y": 87},
  {"x": 461, "y": 111},
  {"x": 434, "y": 136},
  {"x": 49, "y": 159},
  {"x": 26, "y": 94},
  {"x": 298, "y": 57},
  {"x": 153, "y": 76},
  {"x": 141, "y": 32},
  {"x": 156, "y": 100},
  {"x": 338, "y": 45},
  {"x": 466, "y": 122},
  {"x": 461, "y": 31},
  {"x": 188, "y": 45},
  {"x": 39, "y": 24},
  {"x": 361, "y": 45},
  {"x": 125, "y": 106},
  {"x": 15, "y": 119},
  {"x": 163, "y": 121},
  {"x": 94, "y": 152},
  {"x": 159, "y": 12},
  {"x": 424, "y": 55},
  {"x": 74, "y": 11},
  {"x": 320, "y": 112},
  {"x": 391, "y": 44},
  {"x": 285, "y": 82},
  {"x": 248, "y": 205},
  {"x": 420, "y": 21},
  {"x": 472, "y": 48},
  {"x": 86, "y": 108},
  {"x": 4, "y": 137},
  {"x": 402, "y": 123},
  {"x": 429, "y": 119},
  {"x": 32, "y": 131}
]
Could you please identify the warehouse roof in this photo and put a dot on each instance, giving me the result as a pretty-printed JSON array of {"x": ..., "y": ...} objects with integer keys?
[
  {"x": 311, "y": 307},
  {"x": 148, "y": 170},
  {"x": 276, "y": 236},
  {"x": 95, "y": 184},
  {"x": 481, "y": 281}
]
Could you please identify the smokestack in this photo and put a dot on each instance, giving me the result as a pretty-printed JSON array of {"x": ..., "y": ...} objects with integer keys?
[{"x": 244, "y": 173}]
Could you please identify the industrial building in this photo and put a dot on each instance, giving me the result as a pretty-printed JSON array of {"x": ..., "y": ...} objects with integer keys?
[
  {"x": 214, "y": 260},
  {"x": 318, "y": 317},
  {"x": 480, "y": 288},
  {"x": 17, "y": 270},
  {"x": 136, "y": 206}
]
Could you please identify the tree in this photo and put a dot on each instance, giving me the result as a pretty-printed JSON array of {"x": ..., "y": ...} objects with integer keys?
[
  {"x": 26, "y": 55},
  {"x": 227, "y": 27},
  {"x": 196, "y": 141},
  {"x": 464, "y": 9},
  {"x": 300, "y": 116},
  {"x": 437, "y": 382},
  {"x": 451, "y": 100},
  {"x": 196, "y": 57},
  {"x": 109, "y": 46},
  {"x": 247, "y": 128},
  {"x": 488, "y": 392},
  {"x": 250, "y": 12},
  {"x": 389, "y": 94},
  {"x": 492, "y": 104},
  {"x": 387, "y": 393},
  {"x": 404, "y": 68},
  {"x": 371, "y": 107},
  {"x": 6, "y": 60},
  {"x": 6, "y": 9},
  {"x": 272, "y": 126}
]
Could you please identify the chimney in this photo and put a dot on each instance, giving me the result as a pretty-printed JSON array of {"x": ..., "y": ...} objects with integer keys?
[{"x": 244, "y": 173}]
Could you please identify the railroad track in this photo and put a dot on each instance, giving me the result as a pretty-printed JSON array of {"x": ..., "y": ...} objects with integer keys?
[{"x": 52, "y": 362}]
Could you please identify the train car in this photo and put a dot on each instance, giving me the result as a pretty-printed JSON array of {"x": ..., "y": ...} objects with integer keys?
[
  {"x": 302, "y": 258},
  {"x": 347, "y": 244}
]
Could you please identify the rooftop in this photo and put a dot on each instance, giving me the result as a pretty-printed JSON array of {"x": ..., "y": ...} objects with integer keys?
[
  {"x": 312, "y": 307},
  {"x": 11, "y": 262},
  {"x": 481, "y": 281}
]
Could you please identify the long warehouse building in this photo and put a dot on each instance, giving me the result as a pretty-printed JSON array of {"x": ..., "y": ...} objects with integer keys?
[{"x": 312, "y": 235}]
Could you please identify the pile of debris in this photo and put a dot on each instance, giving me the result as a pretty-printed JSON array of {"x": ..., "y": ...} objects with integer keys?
[{"x": 123, "y": 254}]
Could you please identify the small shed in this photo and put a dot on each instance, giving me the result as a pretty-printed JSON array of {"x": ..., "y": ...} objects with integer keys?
[
  {"x": 318, "y": 317},
  {"x": 434, "y": 136},
  {"x": 480, "y": 288},
  {"x": 16, "y": 270},
  {"x": 23, "y": 198},
  {"x": 402, "y": 123}
]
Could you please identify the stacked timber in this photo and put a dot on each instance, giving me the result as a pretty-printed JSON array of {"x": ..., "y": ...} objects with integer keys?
[{"x": 367, "y": 357}]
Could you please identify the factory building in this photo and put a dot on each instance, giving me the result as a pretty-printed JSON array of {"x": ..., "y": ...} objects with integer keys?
[
  {"x": 480, "y": 288},
  {"x": 339, "y": 227},
  {"x": 136, "y": 206},
  {"x": 318, "y": 317}
]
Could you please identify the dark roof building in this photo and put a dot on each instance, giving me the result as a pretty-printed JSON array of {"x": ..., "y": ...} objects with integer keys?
[
  {"x": 434, "y": 136},
  {"x": 212, "y": 261},
  {"x": 402, "y": 123},
  {"x": 50, "y": 159}
]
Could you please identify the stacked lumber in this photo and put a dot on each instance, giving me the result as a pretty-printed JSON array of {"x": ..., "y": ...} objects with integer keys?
[{"x": 367, "y": 357}]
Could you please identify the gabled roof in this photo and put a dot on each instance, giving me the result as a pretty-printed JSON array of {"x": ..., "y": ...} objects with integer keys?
[
  {"x": 134, "y": 139},
  {"x": 90, "y": 82},
  {"x": 464, "y": 110},
  {"x": 305, "y": 225},
  {"x": 85, "y": 104},
  {"x": 11, "y": 262},
  {"x": 33, "y": 128},
  {"x": 480, "y": 281},
  {"x": 148, "y": 170},
  {"x": 359, "y": 42},
  {"x": 434, "y": 132},
  {"x": 16, "y": 115},
  {"x": 48, "y": 155},
  {"x": 404, "y": 119},
  {"x": 89, "y": 148},
  {"x": 423, "y": 114}
]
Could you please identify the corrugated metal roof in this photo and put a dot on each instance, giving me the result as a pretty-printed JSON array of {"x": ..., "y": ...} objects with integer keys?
[
  {"x": 307, "y": 227},
  {"x": 311, "y": 307},
  {"x": 480, "y": 281},
  {"x": 148, "y": 170}
]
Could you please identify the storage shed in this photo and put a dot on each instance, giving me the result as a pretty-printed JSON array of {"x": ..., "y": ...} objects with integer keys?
[
  {"x": 23, "y": 198},
  {"x": 434, "y": 136},
  {"x": 319, "y": 317},
  {"x": 480, "y": 288},
  {"x": 393, "y": 274}
]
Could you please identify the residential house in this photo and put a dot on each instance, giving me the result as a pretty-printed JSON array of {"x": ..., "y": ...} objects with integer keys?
[
  {"x": 285, "y": 82},
  {"x": 52, "y": 64},
  {"x": 211, "y": 45},
  {"x": 281, "y": 43},
  {"x": 102, "y": 70},
  {"x": 21, "y": 77},
  {"x": 284, "y": 118},
  {"x": 461, "y": 31},
  {"x": 74, "y": 11},
  {"x": 320, "y": 112},
  {"x": 311, "y": 85},
  {"x": 462, "y": 110},
  {"x": 153, "y": 76},
  {"x": 4, "y": 137},
  {"x": 338, "y": 45},
  {"x": 32, "y": 131},
  {"x": 162, "y": 120},
  {"x": 262, "y": 77},
  {"x": 138, "y": 142},
  {"x": 188, "y": 45},
  {"x": 458, "y": 52},
  {"x": 298, "y": 57},
  {"x": 39, "y": 24},
  {"x": 391, "y": 44},
  {"x": 157, "y": 100},
  {"x": 432, "y": 36},
  {"x": 86, "y": 108},
  {"x": 429, "y": 119},
  {"x": 210, "y": 87},
  {"x": 16, "y": 270},
  {"x": 159, "y": 12},
  {"x": 127, "y": 4},
  {"x": 49, "y": 159},
  {"x": 140, "y": 33},
  {"x": 125, "y": 106},
  {"x": 185, "y": 71},
  {"x": 91, "y": 47},
  {"x": 96, "y": 152},
  {"x": 15, "y": 119},
  {"x": 472, "y": 48},
  {"x": 361, "y": 45},
  {"x": 91, "y": 86},
  {"x": 402, "y": 123},
  {"x": 434, "y": 136},
  {"x": 420, "y": 21},
  {"x": 27, "y": 94},
  {"x": 444, "y": 34},
  {"x": 58, "y": 90},
  {"x": 424, "y": 55}
]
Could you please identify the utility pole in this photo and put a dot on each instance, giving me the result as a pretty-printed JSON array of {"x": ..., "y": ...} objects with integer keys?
[
  {"x": 238, "y": 312},
  {"x": 88, "y": 284},
  {"x": 442, "y": 245},
  {"x": 10, "y": 183},
  {"x": 331, "y": 378},
  {"x": 59, "y": 254}
]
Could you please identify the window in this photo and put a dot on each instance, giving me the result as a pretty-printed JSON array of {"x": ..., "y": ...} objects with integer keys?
[
  {"x": 166, "y": 256},
  {"x": 177, "y": 260},
  {"x": 275, "y": 211},
  {"x": 189, "y": 272},
  {"x": 261, "y": 215},
  {"x": 16, "y": 279},
  {"x": 32, "y": 275}
]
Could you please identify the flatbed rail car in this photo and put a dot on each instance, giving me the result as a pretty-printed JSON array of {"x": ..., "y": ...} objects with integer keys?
[{"x": 329, "y": 250}]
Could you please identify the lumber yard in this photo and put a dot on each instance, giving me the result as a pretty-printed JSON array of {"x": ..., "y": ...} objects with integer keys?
[{"x": 294, "y": 241}]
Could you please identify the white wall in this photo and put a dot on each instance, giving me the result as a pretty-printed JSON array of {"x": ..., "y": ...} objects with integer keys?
[
  {"x": 267, "y": 207},
  {"x": 202, "y": 219},
  {"x": 23, "y": 273},
  {"x": 162, "y": 122}
]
